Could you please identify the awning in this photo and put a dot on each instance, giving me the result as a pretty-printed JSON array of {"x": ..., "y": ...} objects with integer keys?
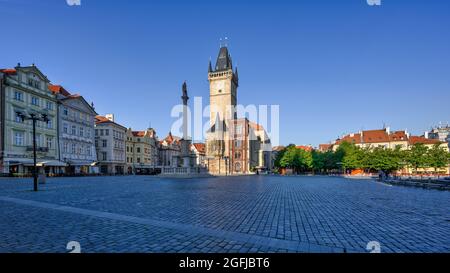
[
  {"x": 84, "y": 163},
  {"x": 51, "y": 163},
  {"x": 18, "y": 161}
]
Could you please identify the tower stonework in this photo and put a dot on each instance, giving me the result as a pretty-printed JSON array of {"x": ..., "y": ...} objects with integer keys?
[{"x": 224, "y": 83}]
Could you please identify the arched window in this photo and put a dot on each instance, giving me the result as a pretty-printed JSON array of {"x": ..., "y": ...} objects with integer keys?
[{"x": 237, "y": 167}]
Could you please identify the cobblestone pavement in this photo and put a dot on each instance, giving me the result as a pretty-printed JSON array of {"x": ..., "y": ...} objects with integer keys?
[{"x": 228, "y": 214}]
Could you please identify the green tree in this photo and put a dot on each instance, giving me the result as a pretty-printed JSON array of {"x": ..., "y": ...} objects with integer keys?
[
  {"x": 437, "y": 157},
  {"x": 318, "y": 161},
  {"x": 417, "y": 156}
]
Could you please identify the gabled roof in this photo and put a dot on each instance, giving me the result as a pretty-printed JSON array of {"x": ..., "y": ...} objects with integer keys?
[
  {"x": 103, "y": 120},
  {"x": 352, "y": 138},
  {"x": 200, "y": 147},
  {"x": 375, "y": 136},
  {"x": 58, "y": 89},
  {"x": 33, "y": 69},
  {"x": 420, "y": 139},
  {"x": 399, "y": 136},
  {"x": 170, "y": 139}
]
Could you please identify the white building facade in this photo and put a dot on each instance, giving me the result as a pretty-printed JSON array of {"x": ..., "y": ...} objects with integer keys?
[
  {"x": 76, "y": 124},
  {"x": 110, "y": 140}
]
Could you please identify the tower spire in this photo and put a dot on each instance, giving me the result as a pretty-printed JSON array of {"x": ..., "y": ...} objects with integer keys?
[{"x": 210, "y": 66}]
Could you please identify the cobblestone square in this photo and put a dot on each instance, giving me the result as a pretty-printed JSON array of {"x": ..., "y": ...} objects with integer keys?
[{"x": 221, "y": 215}]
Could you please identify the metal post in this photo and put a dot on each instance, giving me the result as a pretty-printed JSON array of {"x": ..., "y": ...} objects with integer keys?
[{"x": 35, "y": 177}]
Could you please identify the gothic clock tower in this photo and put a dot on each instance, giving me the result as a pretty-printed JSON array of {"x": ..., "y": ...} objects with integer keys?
[{"x": 224, "y": 83}]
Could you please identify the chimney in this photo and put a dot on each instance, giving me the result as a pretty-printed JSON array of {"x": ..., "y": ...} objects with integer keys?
[
  {"x": 427, "y": 135},
  {"x": 110, "y": 117},
  {"x": 388, "y": 130}
]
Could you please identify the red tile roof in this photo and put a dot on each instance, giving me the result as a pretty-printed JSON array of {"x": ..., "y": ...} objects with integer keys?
[
  {"x": 101, "y": 119},
  {"x": 171, "y": 139},
  {"x": 420, "y": 139},
  {"x": 278, "y": 148},
  {"x": 305, "y": 148},
  {"x": 58, "y": 89},
  {"x": 325, "y": 147},
  {"x": 256, "y": 126},
  {"x": 9, "y": 71},
  {"x": 353, "y": 138},
  {"x": 398, "y": 136},
  {"x": 200, "y": 147},
  {"x": 138, "y": 133},
  {"x": 375, "y": 136}
]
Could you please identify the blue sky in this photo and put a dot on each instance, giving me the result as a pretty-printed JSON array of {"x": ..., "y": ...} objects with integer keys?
[{"x": 332, "y": 66}]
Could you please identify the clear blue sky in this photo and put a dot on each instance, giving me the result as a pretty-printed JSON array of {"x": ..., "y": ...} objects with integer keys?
[{"x": 332, "y": 66}]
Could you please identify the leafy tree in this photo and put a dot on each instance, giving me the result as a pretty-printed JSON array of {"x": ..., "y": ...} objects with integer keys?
[
  {"x": 437, "y": 157},
  {"x": 417, "y": 156}
]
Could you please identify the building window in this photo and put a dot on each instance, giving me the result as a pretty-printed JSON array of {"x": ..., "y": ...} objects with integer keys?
[
  {"x": 106, "y": 132},
  {"x": 50, "y": 124},
  {"x": 65, "y": 111},
  {"x": 96, "y": 143},
  {"x": 138, "y": 160},
  {"x": 104, "y": 156},
  {"x": 81, "y": 132},
  {"x": 88, "y": 133},
  {"x": 239, "y": 129},
  {"x": 18, "y": 138},
  {"x": 102, "y": 132},
  {"x": 74, "y": 130},
  {"x": 65, "y": 128},
  {"x": 49, "y": 105},
  {"x": 18, "y": 119},
  {"x": 35, "y": 101},
  {"x": 237, "y": 143},
  {"x": 18, "y": 96},
  {"x": 104, "y": 143},
  {"x": 66, "y": 147},
  {"x": 49, "y": 142},
  {"x": 138, "y": 150}
]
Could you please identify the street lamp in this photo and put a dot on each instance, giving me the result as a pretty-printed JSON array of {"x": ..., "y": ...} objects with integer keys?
[
  {"x": 226, "y": 164},
  {"x": 34, "y": 117}
]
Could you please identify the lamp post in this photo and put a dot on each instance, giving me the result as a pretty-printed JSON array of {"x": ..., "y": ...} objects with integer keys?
[
  {"x": 34, "y": 117},
  {"x": 226, "y": 164}
]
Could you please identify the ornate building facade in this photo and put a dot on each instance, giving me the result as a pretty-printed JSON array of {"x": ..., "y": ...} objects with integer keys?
[
  {"x": 142, "y": 151},
  {"x": 76, "y": 122},
  {"x": 25, "y": 90}
]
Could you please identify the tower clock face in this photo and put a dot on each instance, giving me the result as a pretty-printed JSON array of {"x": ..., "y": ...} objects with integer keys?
[{"x": 220, "y": 87}]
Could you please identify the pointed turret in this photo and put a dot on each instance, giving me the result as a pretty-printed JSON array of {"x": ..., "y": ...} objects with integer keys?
[
  {"x": 223, "y": 62},
  {"x": 210, "y": 69}
]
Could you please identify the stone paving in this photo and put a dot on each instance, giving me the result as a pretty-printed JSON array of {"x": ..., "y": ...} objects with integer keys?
[{"x": 221, "y": 215}]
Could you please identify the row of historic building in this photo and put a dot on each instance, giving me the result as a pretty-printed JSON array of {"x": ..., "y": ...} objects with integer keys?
[
  {"x": 73, "y": 139},
  {"x": 386, "y": 138}
]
